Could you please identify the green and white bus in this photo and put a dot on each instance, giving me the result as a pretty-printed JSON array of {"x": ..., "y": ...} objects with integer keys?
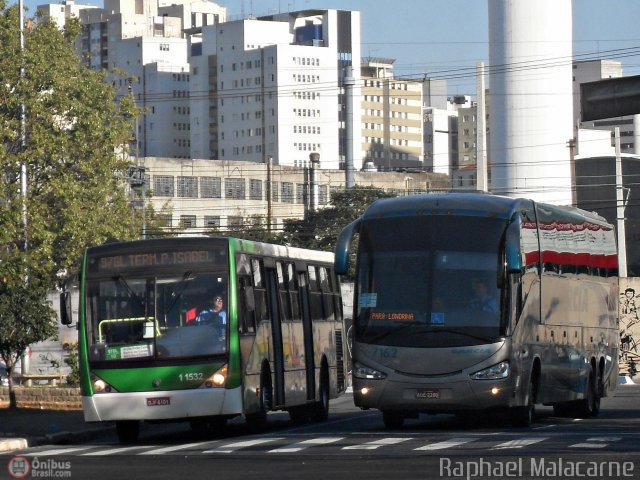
[
  {"x": 153, "y": 347},
  {"x": 472, "y": 302}
]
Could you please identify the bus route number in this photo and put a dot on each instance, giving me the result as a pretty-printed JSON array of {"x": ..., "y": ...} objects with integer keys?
[
  {"x": 385, "y": 352},
  {"x": 191, "y": 377}
]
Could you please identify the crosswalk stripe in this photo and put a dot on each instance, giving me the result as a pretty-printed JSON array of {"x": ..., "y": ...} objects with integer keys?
[
  {"x": 232, "y": 447},
  {"x": 173, "y": 448},
  {"x": 111, "y": 451},
  {"x": 519, "y": 443},
  {"x": 57, "y": 451},
  {"x": 596, "y": 442},
  {"x": 454, "y": 442},
  {"x": 296, "y": 447},
  {"x": 377, "y": 443}
]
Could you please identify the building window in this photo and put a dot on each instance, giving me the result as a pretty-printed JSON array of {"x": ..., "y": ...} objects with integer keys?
[
  {"x": 300, "y": 192},
  {"x": 234, "y": 223},
  {"x": 255, "y": 189},
  {"x": 210, "y": 187},
  {"x": 212, "y": 221},
  {"x": 287, "y": 192},
  {"x": 322, "y": 195},
  {"x": 187, "y": 221},
  {"x": 234, "y": 188},
  {"x": 163, "y": 186},
  {"x": 188, "y": 187}
]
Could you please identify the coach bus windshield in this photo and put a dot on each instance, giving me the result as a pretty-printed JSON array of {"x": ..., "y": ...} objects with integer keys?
[
  {"x": 428, "y": 281},
  {"x": 139, "y": 317}
]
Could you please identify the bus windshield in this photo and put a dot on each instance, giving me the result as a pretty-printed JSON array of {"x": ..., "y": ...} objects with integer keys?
[
  {"x": 428, "y": 281},
  {"x": 138, "y": 317}
]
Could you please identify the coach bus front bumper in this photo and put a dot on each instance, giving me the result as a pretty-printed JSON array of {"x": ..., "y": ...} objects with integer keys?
[
  {"x": 441, "y": 394},
  {"x": 162, "y": 405}
]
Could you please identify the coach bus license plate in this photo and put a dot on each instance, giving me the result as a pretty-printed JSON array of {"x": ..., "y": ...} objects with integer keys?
[
  {"x": 157, "y": 401},
  {"x": 428, "y": 394}
]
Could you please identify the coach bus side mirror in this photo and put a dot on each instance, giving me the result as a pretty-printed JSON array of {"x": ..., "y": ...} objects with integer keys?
[
  {"x": 343, "y": 245},
  {"x": 513, "y": 258}
]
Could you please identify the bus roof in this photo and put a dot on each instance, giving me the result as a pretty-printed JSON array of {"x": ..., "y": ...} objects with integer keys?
[{"x": 479, "y": 204}]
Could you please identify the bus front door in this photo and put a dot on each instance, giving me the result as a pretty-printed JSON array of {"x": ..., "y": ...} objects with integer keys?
[
  {"x": 307, "y": 329},
  {"x": 276, "y": 337}
]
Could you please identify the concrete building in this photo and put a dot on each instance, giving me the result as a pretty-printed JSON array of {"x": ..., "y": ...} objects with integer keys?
[
  {"x": 392, "y": 128},
  {"x": 440, "y": 127},
  {"x": 194, "y": 196}
]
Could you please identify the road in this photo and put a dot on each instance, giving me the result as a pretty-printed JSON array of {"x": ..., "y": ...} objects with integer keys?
[{"x": 355, "y": 444}]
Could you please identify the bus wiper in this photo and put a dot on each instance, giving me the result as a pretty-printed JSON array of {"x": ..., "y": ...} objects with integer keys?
[
  {"x": 391, "y": 331},
  {"x": 466, "y": 334},
  {"x": 177, "y": 293},
  {"x": 129, "y": 290}
]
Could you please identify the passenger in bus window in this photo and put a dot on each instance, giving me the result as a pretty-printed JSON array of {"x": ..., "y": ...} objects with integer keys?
[{"x": 482, "y": 300}]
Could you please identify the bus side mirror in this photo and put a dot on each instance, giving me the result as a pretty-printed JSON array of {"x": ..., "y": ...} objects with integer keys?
[
  {"x": 343, "y": 245},
  {"x": 513, "y": 257},
  {"x": 66, "y": 315}
]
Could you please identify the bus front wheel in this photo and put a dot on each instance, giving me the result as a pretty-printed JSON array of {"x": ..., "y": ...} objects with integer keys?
[
  {"x": 523, "y": 416},
  {"x": 259, "y": 419},
  {"x": 128, "y": 431}
]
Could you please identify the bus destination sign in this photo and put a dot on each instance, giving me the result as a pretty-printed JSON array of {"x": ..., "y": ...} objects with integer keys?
[{"x": 115, "y": 263}]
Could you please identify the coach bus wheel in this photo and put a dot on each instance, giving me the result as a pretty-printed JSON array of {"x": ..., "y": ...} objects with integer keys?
[
  {"x": 128, "y": 431},
  {"x": 392, "y": 419},
  {"x": 321, "y": 410},
  {"x": 589, "y": 406},
  {"x": 523, "y": 416},
  {"x": 259, "y": 419}
]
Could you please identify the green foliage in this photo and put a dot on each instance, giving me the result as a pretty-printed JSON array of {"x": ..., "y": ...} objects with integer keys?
[
  {"x": 73, "y": 379},
  {"x": 70, "y": 140},
  {"x": 321, "y": 228}
]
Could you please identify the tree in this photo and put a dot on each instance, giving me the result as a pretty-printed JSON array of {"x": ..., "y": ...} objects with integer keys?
[
  {"x": 70, "y": 139},
  {"x": 320, "y": 229}
]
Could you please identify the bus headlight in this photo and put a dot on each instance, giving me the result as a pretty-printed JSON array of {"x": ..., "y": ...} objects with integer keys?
[
  {"x": 218, "y": 379},
  {"x": 362, "y": 371},
  {"x": 100, "y": 386},
  {"x": 495, "y": 372}
]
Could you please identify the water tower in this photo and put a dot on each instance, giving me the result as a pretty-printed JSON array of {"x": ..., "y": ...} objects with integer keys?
[{"x": 531, "y": 103}]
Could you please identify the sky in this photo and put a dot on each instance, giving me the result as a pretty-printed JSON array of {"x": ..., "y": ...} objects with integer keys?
[{"x": 447, "y": 38}]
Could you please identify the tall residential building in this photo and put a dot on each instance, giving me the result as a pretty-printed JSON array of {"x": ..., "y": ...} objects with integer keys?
[
  {"x": 272, "y": 87},
  {"x": 392, "y": 130}
]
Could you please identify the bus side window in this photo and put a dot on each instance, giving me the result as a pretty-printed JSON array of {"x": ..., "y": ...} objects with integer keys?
[
  {"x": 260, "y": 295},
  {"x": 246, "y": 305}
]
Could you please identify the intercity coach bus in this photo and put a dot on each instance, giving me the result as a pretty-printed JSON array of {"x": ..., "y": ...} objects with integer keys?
[
  {"x": 470, "y": 301},
  {"x": 153, "y": 346}
]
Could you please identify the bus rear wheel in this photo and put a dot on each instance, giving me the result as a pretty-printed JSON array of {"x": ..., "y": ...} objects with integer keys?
[
  {"x": 128, "y": 431},
  {"x": 321, "y": 409},
  {"x": 589, "y": 406}
]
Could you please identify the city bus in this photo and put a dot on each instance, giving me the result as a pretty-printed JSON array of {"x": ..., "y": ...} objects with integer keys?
[
  {"x": 152, "y": 345},
  {"x": 545, "y": 330}
]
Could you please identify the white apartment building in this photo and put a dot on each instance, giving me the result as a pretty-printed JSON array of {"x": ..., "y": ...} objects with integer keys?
[
  {"x": 391, "y": 119},
  {"x": 270, "y": 87}
]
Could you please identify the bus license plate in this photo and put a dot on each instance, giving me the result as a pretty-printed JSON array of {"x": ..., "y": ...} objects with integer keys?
[
  {"x": 429, "y": 394},
  {"x": 158, "y": 401}
]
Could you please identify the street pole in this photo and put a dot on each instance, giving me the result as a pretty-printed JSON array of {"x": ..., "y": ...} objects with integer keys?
[{"x": 620, "y": 207}]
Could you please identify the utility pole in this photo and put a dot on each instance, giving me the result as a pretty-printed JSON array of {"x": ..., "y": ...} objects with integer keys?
[
  {"x": 620, "y": 207},
  {"x": 269, "y": 196}
]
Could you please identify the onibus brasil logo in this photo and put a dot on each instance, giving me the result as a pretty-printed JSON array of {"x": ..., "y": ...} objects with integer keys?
[{"x": 21, "y": 466}]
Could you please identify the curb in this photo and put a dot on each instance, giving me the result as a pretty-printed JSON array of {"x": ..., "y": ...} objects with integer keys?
[{"x": 58, "y": 438}]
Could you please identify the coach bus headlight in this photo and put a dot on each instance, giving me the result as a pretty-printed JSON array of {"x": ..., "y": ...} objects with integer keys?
[
  {"x": 495, "y": 372},
  {"x": 362, "y": 371}
]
